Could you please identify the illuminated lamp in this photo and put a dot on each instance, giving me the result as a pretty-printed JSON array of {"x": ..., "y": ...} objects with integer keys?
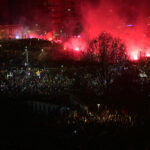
[
  {"x": 76, "y": 49},
  {"x": 50, "y": 39},
  {"x": 17, "y": 37},
  {"x": 147, "y": 54},
  {"x": 135, "y": 57}
]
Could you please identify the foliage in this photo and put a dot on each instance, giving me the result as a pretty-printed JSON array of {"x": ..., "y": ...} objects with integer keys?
[{"x": 106, "y": 49}]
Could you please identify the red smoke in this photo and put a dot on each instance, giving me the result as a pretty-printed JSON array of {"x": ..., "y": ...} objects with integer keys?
[
  {"x": 47, "y": 36},
  {"x": 34, "y": 35},
  {"x": 115, "y": 18},
  {"x": 76, "y": 44},
  {"x": 124, "y": 19}
]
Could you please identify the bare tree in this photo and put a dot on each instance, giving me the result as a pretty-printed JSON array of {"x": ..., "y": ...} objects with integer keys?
[{"x": 106, "y": 50}]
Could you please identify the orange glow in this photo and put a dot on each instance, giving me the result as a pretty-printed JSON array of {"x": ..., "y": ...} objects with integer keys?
[{"x": 50, "y": 39}]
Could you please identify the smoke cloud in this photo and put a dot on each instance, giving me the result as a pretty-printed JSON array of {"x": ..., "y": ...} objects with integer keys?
[{"x": 127, "y": 20}]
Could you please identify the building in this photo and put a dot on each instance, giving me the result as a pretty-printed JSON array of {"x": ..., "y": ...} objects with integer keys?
[
  {"x": 62, "y": 13},
  {"x": 11, "y": 32}
]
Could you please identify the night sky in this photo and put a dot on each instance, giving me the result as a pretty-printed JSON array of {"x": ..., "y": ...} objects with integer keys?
[
  {"x": 20, "y": 11},
  {"x": 28, "y": 11}
]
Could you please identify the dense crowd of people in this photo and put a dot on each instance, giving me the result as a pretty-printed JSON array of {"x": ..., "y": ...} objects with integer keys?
[
  {"x": 119, "y": 119},
  {"x": 51, "y": 85},
  {"x": 29, "y": 81},
  {"x": 44, "y": 82}
]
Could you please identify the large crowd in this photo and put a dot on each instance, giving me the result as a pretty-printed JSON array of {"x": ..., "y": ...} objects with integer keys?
[
  {"x": 30, "y": 81},
  {"x": 105, "y": 116},
  {"x": 44, "y": 82},
  {"x": 51, "y": 84}
]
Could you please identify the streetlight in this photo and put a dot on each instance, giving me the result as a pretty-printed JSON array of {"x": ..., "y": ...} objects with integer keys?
[
  {"x": 27, "y": 55},
  {"x": 98, "y": 106}
]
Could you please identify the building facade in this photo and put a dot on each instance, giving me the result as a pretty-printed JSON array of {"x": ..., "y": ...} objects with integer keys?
[
  {"x": 11, "y": 32},
  {"x": 64, "y": 14}
]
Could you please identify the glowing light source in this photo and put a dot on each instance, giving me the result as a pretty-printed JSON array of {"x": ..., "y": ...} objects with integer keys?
[
  {"x": 135, "y": 57},
  {"x": 17, "y": 37},
  {"x": 76, "y": 49},
  {"x": 50, "y": 39},
  {"x": 148, "y": 54},
  {"x": 75, "y": 44},
  {"x": 129, "y": 25}
]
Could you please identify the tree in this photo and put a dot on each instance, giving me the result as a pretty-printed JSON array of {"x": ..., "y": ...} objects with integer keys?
[{"x": 106, "y": 51}]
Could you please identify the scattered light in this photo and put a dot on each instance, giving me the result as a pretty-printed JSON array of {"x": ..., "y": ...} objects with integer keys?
[
  {"x": 75, "y": 44},
  {"x": 129, "y": 25},
  {"x": 58, "y": 41},
  {"x": 17, "y": 37},
  {"x": 135, "y": 57},
  {"x": 76, "y": 49},
  {"x": 147, "y": 54},
  {"x": 50, "y": 39}
]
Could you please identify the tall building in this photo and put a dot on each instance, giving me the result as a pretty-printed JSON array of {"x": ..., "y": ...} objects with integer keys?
[
  {"x": 55, "y": 12},
  {"x": 11, "y": 32},
  {"x": 63, "y": 14}
]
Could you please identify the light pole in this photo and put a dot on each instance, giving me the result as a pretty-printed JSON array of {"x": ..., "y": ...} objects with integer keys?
[
  {"x": 27, "y": 55},
  {"x": 98, "y": 106}
]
